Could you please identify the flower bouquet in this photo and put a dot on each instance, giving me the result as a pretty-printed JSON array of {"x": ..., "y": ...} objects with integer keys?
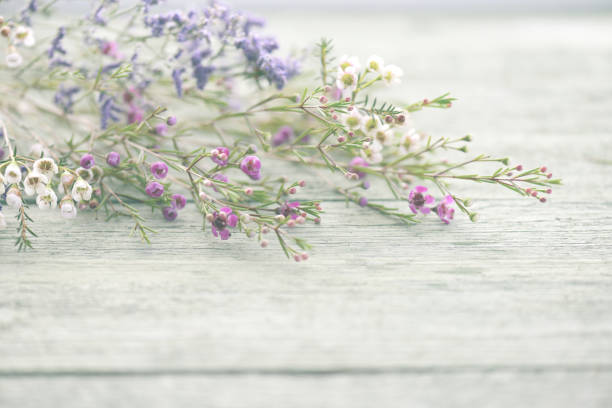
[{"x": 133, "y": 108}]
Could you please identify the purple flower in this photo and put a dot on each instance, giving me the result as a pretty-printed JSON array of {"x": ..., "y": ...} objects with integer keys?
[
  {"x": 170, "y": 213},
  {"x": 220, "y": 177},
  {"x": 221, "y": 220},
  {"x": 135, "y": 114},
  {"x": 363, "y": 201},
  {"x": 201, "y": 74},
  {"x": 171, "y": 121},
  {"x": 283, "y": 135},
  {"x": 179, "y": 201},
  {"x": 178, "y": 82},
  {"x": 358, "y": 162},
  {"x": 444, "y": 210},
  {"x": 87, "y": 161},
  {"x": 161, "y": 129},
  {"x": 418, "y": 199},
  {"x": 113, "y": 159},
  {"x": 64, "y": 97},
  {"x": 251, "y": 166},
  {"x": 108, "y": 110},
  {"x": 154, "y": 189},
  {"x": 111, "y": 48},
  {"x": 220, "y": 155},
  {"x": 159, "y": 169},
  {"x": 56, "y": 44},
  {"x": 289, "y": 209}
]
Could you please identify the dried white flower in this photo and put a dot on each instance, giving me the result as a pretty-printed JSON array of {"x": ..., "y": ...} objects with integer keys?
[
  {"x": 68, "y": 208},
  {"x": 47, "y": 200},
  {"x": 35, "y": 183},
  {"x": 13, "y": 198},
  {"x": 46, "y": 166},
  {"x": 12, "y": 173},
  {"x": 81, "y": 190},
  {"x": 13, "y": 59}
]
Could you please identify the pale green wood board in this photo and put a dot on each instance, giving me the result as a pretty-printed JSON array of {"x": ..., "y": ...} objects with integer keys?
[{"x": 514, "y": 310}]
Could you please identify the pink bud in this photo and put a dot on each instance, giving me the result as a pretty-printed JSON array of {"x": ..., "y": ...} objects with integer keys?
[
  {"x": 304, "y": 256},
  {"x": 248, "y": 191},
  {"x": 302, "y": 183},
  {"x": 264, "y": 243},
  {"x": 542, "y": 199},
  {"x": 291, "y": 223},
  {"x": 297, "y": 258},
  {"x": 543, "y": 169},
  {"x": 549, "y": 175},
  {"x": 341, "y": 139},
  {"x": 292, "y": 190},
  {"x": 519, "y": 167}
]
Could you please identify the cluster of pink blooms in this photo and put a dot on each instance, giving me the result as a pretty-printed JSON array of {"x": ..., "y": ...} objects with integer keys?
[{"x": 419, "y": 201}]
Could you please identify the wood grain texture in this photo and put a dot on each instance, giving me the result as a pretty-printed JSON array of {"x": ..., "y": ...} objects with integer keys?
[{"x": 514, "y": 310}]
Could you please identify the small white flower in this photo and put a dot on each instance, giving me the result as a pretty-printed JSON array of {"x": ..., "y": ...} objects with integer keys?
[
  {"x": 2, "y": 189},
  {"x": 68, "y": 208},
  {"x": 347, "y": 61},
  {"x": 346, "y": 79},
  {"x": 85, "y": 174},
  {"x": 46, "y": 167},
  {"x": 370, "y": 125},
  {"x": 24, "y": 35},
  {"x": 81, "y": 191},
  {"x": 35, "y": 183},
  {"x": 47, "y": 200},
  {"x": 384, "y": 135},
  {"x": 409, "y": 141},
  {"x": 13, "y": 198},
  {"x": 13, "y": 59},
  {"x": 12, "y": 174},
  {"x": 391, "y": 74},
  {"x": 2, "y": 221},
  {"x": 371, "y": 152},
  {"x": 353, "y": 120},
  {"x": 375, "y": 64}
]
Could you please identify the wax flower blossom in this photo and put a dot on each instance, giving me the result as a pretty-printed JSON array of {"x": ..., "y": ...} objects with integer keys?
[
  {"x": 13, "y": 198},
  {"x": 46, "y": 166},
  {"x": 251, "y": 166},
  {"x": 221, "y": 220},
  {"x": 220, "y": 155},
  {"x": 418, "y": 199},
  {"x": 81, "y": 190},
  {"x": 113, "y": 159},
  {"x": 391, "y": 74},
  {"x": 282, "y": 136},
  {"x": 87, "y": 161},
  {"x": 375, "y": 64},
  {"x": 68, "y": 208},
  {"x": 444, "y": 209},
  {"x": 154, "y": 189},
  {"x": 358, "y": 162},
  {"x": 47, "y": 200},
  {"x": 35, "y": 183},
  {"x": 12, "y": 174},
  {"x": 159, "y": 170}
]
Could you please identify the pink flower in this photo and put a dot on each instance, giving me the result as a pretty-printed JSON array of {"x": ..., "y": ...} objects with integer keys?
[
  {"x": 444, "y": 211},
  {"x": 251, "y": 166},
  {"x": 418, "y": 199},
  {"x": 159, "y": 170},
  {"x": 220, "y": 155},
  {"x": 221, "y": 220},
  {"x": 358, "y": 162}
]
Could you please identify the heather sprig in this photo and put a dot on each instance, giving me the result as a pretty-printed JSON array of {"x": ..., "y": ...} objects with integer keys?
[{"x": 132, "y": 110}]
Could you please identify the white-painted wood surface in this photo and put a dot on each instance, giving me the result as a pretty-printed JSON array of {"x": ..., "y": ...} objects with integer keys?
[{"x": 515, "y": 310}]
